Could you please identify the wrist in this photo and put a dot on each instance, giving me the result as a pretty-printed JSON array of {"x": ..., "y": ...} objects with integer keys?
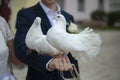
[{"x": 51, "y": 65}]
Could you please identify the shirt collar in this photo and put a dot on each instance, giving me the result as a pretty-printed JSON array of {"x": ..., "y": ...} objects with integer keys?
[{"x": 47, "y": 10}]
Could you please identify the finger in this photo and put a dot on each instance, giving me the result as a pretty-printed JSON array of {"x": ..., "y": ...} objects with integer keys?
[
  {"x": 61, "y": 65},
  {"x": 67, "y": 59},
  {"x": 56, "y": 63},
  {"x": 67, "y": 64},
  {"x": 66, "y": 68}
]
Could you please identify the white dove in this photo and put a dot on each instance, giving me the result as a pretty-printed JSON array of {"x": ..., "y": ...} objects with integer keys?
[
  {"x": 86, "y": 41},
  {"x": 35, "y": 39}
]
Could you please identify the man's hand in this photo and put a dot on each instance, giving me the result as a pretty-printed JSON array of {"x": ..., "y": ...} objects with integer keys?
[{"x": 61, "y": 63}]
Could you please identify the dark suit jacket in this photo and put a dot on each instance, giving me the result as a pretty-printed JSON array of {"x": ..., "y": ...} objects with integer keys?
[{"x": 36, "y": 63}]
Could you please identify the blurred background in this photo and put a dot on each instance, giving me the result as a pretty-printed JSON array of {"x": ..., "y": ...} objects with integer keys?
[{"x": 104, "y": 17}]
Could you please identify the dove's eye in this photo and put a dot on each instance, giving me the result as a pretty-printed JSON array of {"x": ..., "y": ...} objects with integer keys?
[{"x": 58, "y": 16}]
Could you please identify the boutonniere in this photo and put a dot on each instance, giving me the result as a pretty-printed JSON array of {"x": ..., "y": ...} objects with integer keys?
[{"x": 72, "y": 28}]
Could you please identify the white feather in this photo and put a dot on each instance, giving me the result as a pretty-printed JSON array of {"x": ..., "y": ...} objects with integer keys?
[
  {"x": 85, "y": 44},
  {"x": 37, "y": 41}
]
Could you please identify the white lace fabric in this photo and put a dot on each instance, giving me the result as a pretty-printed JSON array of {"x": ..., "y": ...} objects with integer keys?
[{"x": 5, "y": 35}]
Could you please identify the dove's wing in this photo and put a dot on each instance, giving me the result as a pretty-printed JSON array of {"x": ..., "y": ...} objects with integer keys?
[
  {"x": 43, "y": 47},
  {"x": 32, "y": 34}
]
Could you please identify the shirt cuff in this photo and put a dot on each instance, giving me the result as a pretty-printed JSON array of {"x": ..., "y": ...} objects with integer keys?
[
  {"x": 47, "y": 65},
  {"x": 66, "y": 53}
]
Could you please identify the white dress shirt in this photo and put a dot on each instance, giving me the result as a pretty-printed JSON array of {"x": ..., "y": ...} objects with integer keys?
[{"x": 51, "y": 14}]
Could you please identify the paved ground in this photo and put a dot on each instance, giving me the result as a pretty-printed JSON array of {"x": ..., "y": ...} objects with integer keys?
[{"x": 106, "y": 66}]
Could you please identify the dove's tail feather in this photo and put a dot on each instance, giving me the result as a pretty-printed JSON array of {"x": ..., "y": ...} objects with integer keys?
[
  {"x": 90, "y": 46},
  {"x": 86, "y": 54},
  {"x": 45, "y": 51}
]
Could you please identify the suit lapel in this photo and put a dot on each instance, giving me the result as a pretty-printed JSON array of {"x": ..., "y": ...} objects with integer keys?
[
  {"x": 45, "y": 21},
  {"x": 66, "y": 16}
]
